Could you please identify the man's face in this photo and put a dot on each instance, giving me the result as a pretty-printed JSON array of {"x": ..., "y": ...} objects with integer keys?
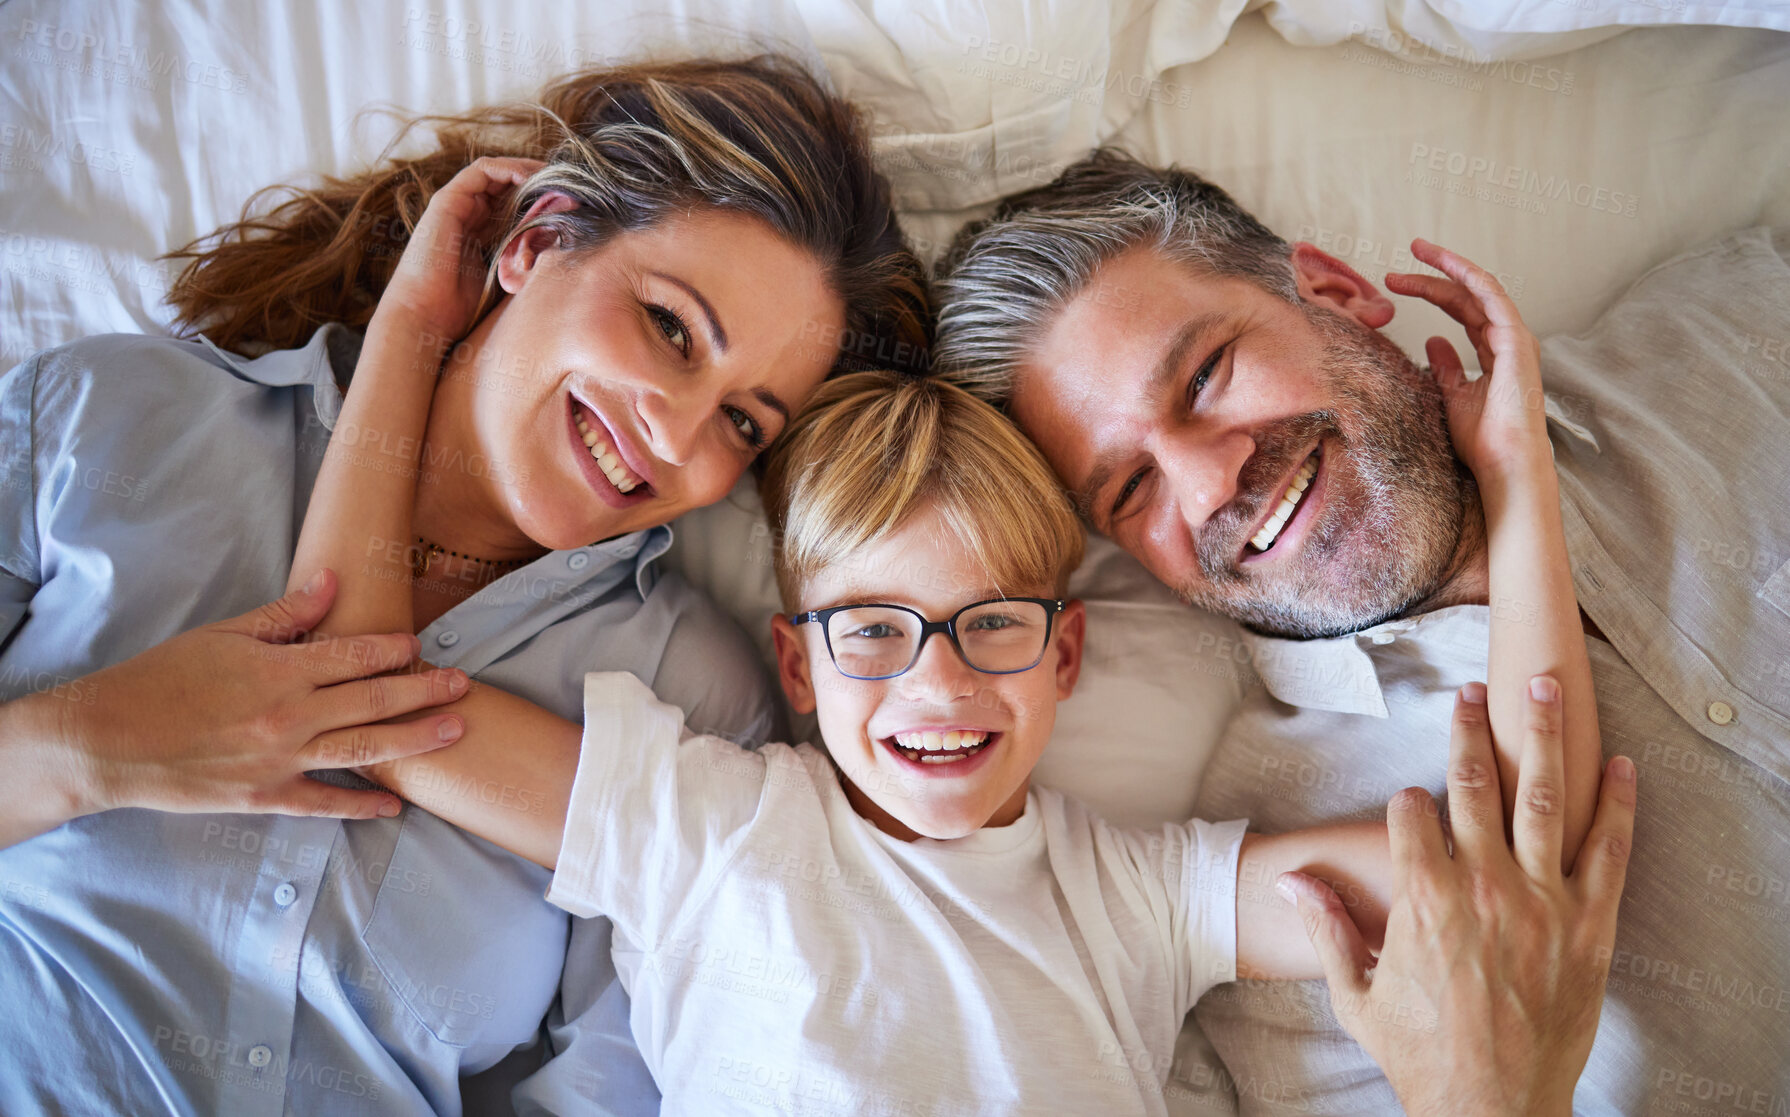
[{"x": 1281, "y": 463}]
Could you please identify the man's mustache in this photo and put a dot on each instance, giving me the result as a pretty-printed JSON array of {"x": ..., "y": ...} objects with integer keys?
[{"x": 1280, "y": 446}]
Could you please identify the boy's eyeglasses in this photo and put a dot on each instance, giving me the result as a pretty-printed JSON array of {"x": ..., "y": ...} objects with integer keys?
[{"x": 1001, "y": 636}]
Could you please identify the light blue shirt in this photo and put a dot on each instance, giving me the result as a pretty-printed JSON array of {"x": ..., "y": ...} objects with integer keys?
[{"x": 251, "y": 964}]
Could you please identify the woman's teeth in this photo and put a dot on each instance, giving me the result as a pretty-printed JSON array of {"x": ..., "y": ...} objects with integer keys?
[
  {"x": 1289, "y": 501},
  {"x": 932, "y": 747},
  {"x": 607, "y": 461}
]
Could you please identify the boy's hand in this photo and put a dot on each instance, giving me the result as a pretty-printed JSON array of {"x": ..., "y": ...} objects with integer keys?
[
  {"x": 1485, "y": 998},
  {"x": 1498, "y": 421},
  {"x": 440, "y": 279}
]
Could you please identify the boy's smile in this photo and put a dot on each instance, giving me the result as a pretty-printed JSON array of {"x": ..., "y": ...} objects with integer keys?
[{"x": 942, "y": 749}]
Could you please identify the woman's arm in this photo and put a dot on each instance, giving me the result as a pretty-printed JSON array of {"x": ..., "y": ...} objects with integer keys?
[{"x": 1499, "y": 427}]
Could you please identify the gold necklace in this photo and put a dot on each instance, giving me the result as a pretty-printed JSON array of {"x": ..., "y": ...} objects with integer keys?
[{"x": 428, "y": 552}]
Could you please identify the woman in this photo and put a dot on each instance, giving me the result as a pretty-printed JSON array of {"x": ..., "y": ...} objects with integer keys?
[{"x": 674, "y": 282}]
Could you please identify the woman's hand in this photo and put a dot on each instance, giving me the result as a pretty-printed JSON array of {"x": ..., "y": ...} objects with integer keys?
[
  {"x": 1498, "y": 422},
  {"x": 1485, "y": 997},
  {"x": 440, "y": 279},
  {"x": 227, "y": 717}
]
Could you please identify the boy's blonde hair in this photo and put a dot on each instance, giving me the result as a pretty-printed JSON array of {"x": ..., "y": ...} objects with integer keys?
[{"x": 871, "y": 447}]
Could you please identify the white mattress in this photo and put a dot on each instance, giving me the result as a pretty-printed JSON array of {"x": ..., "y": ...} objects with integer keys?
[{"x": 126, "y": 129}]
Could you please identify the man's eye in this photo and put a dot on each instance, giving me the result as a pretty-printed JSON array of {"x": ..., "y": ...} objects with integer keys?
[
  {"x": 747, "y": 426},
  {"x": 1131, "y": 485},
  {"x": 1198, "y": 383},
  {"x": 672, "y": 327}
]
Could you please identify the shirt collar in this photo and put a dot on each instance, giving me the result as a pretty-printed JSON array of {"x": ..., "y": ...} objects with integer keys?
[{"x": 1338, "y": 674}]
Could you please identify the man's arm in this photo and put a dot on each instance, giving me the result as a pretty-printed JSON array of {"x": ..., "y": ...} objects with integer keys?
[{"x": 1485, "y": 997}]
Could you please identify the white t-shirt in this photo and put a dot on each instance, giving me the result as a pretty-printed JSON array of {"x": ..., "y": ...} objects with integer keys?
[{"x": 784, "y": 955}]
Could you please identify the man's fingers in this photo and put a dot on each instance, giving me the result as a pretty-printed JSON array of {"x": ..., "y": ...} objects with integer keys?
[
  {"x": 314, "y": 799},
  {"x": 1414, "y": 827},
  {"x": 1333, "y": 935},
  {"x": 364, "y": 745},
  {"x": 368, "y": 701},
  {"x": 289, "y": 617},
  {"x": 1541, "y": 783},
  {"x": 1602, "y": 864},
  {"x": 1475, "y": 800}
]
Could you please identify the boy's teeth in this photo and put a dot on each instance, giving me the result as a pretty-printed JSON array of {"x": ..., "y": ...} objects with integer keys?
[
  {"x": 611, "y": 465},
  {"x": 933, "y": 741},
  {"x": 1289, "y": 501}
]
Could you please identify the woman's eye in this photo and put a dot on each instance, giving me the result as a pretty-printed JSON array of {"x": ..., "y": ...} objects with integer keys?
[
  {"x": 747, "y": 426},
  {"x": 672, "y": 327}
]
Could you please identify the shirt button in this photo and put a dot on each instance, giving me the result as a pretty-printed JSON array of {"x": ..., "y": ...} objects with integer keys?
[
  {"x": 260, "y": 1055},
  {"x": 284, "y": 895},
  {"x": 448, "y": 639},
  {"x": 1384, "y": 637},
  {"x": 1721, "y": 713},
  {"x": 578, "y": 561}
]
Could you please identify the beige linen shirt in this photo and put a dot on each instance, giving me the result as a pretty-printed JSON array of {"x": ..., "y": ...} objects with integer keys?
[{"x": 1671, "y": 425}]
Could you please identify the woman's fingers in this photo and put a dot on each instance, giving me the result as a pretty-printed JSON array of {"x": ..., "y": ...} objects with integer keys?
[
  {"x": 1602, "y": 864},
  {"x": 290, "y": 616},
  {"x": 364, "y": 745},
  {"x": 1475, "y": 800},
  {"x": 368, "y": 701},
  {"x": 1541, "y": 783},
  {"x": 315, "y": 799},
  {"x": 338, "y": 659}
]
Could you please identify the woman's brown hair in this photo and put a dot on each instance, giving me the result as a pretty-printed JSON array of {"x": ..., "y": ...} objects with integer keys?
[{"x": 631, "y": 145}]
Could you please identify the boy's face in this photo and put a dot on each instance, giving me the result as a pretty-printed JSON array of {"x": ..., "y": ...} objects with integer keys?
[{"x": 864, "y": 724}]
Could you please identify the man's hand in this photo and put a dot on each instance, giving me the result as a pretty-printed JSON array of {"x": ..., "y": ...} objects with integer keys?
[{"x": 1485, "y": 998}]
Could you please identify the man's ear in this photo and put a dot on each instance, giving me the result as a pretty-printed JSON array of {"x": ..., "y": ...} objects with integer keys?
[
  {"x": 792, "y": 665},
  {"x": 1325, "y": 279},
  {"x": 519, "y": 257},
  {"x": 1071, "y": 637}
]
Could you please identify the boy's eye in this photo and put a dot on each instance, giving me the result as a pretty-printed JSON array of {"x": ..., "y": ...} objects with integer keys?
[
  {"x": 874, "y": 632},
  {"x": 672, "y": 327},
  {"x": 992, "y": 622}
]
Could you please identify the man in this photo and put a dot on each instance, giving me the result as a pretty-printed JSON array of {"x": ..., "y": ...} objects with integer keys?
[{"x": 1180, "y": 364}]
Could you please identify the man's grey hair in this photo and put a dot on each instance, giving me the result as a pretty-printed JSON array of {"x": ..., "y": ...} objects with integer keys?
[{"x": 1006, "y": 277}]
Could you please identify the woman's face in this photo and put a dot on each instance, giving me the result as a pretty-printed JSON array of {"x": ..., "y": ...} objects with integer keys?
[{"x": 616, "y": 388}]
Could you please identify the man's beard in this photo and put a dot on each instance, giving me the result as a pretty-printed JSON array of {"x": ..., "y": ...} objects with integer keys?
[{"x": 1394, "y": 506}]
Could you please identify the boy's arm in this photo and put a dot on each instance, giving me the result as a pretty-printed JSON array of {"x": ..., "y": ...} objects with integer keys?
[
  {"x": 366, "y": 487},
  {"x": 1499, "y": 427},
  {"x": 507, "y": 779},
  {"x": 1373, "y": 880}
]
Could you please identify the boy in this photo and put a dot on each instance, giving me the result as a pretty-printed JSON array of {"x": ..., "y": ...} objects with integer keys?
[{"x": 901, "y": 923}]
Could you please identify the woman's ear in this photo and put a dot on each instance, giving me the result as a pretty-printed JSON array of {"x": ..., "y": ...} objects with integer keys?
[
  {"x": 519, "y": 257},
  {"x": 1325, "y": 279},
  {"x": 792, "y": 665},
  {"x": 1071, "y": 637}
]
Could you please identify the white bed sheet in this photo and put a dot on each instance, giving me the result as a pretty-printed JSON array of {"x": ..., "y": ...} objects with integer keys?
[{"x": 127, "y": 129}]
